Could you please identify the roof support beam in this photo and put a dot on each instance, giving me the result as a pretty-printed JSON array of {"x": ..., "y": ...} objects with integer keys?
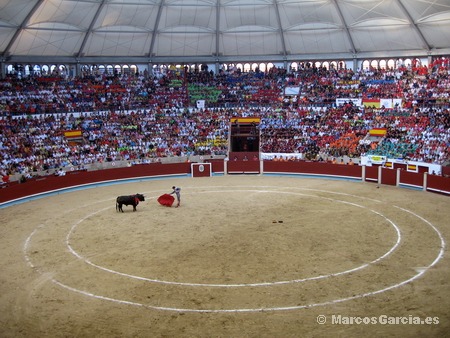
[
  {"x": 21, "y": 27},
  {"x": 90, "y": 28},
  {"x": 280, "y": 27},
  {"x": 414, "y": 25},
  {"x": 347, "y": 31},
  {"x": 155, "y": 28},
  {"x": 218, "y": 28}
]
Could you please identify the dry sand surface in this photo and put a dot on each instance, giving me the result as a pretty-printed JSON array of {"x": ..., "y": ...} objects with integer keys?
[{"x": 244, "y": 256}]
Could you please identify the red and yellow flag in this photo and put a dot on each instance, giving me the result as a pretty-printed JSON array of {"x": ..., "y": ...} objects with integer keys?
[
  {"x": 70, "y": 134},
  {"x": 371, "y": 103},
  {"x": 378, "y": 132}
]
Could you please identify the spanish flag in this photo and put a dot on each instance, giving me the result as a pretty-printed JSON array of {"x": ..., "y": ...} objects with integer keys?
[
  {"x": 378, "y": 132},
  {"x": 73, "y": 134},
  {"x": 412, "y": 167},
  {"x": 369, "y": 103}
]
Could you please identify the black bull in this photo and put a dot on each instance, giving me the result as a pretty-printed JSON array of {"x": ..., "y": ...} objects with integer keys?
[{"x": 129, "y": 200}]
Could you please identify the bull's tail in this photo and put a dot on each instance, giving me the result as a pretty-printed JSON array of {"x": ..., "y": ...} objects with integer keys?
[{"x": 117, "y": 207}]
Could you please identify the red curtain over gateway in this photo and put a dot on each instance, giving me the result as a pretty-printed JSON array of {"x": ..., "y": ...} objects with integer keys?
[{"x": 245, "y": 119}]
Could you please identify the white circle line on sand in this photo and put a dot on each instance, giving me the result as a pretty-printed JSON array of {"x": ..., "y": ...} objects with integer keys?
[
  {"x": 296, "y": 188},
  {"x": 441, "y": 238},
  {"x": 422, "y": 271},
  {"x": 26, "y": 246},
  {"x": 283, "y": 308},
  {"x": 159, "y": 281}
]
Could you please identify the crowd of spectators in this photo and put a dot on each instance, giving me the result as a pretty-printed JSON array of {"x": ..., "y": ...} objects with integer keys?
[{"x": 145, "y": 117}]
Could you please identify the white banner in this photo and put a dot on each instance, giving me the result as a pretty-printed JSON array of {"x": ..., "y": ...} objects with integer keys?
[
  {"x": 397, "y": 102},
  {"x": 272, "y": 156},
  {"x": 372, "y": 159},
  {"x": 342, "y": 101},
  {"x": 386, "y": 103},
  {"x": 200, "y": 104},
  {"x": 291, "y": 90}
]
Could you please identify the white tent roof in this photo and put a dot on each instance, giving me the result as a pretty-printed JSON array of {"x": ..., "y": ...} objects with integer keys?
[{"x": 210, "y": 30}]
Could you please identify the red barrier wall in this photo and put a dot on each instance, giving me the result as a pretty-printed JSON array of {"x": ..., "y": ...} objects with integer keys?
[
  {"x": 388, "y": 176},
  {"x": 217, "y": 165},
  {"x": 372, "y": 174},
  {"x": 201, "y": 169},
  {"x": 242, "y": 167},
  {"x": 49, "y": 183},
  {"x": 438, "y": 183},
  {"x": 412, "y": 178},
  {"x": 446, "y": 170},
  {"x": 318, "y": 168}
]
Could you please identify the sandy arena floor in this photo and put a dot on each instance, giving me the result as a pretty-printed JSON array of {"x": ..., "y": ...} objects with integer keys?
[{"x": 244, "y": 256}]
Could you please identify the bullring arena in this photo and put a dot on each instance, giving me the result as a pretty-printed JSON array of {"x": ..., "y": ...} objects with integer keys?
[{"x": 243, "y": 256}]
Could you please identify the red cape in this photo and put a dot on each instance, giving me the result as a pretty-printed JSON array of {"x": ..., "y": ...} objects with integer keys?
[{"x": 166, "y": 200}]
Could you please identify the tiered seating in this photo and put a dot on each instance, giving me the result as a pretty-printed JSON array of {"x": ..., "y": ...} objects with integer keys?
[
  {"x": 397, "y": 150},
  {"x": 208, "y": 93},
  {"x": 160, "y": 125}
]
